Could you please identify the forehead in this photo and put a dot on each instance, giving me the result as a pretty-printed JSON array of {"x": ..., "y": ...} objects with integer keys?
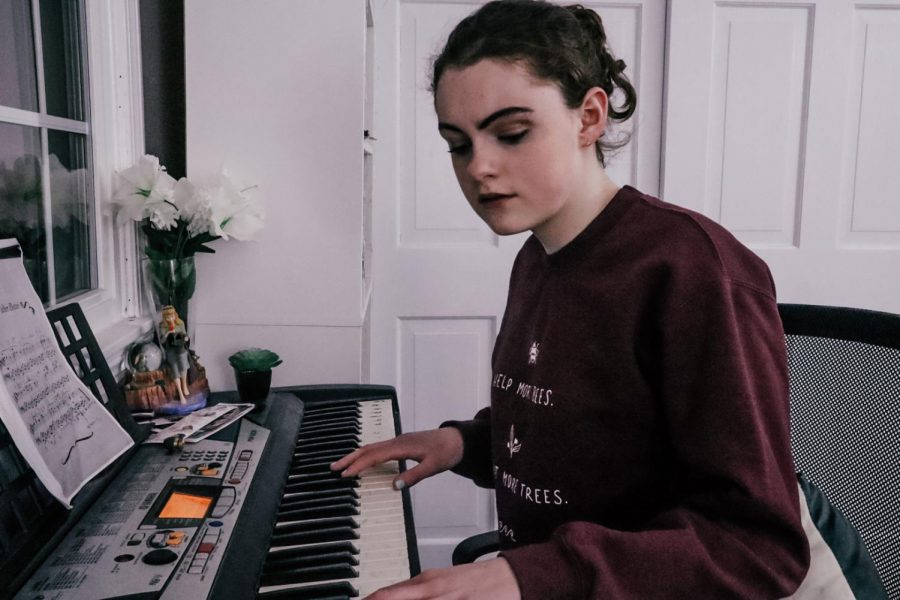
[{"x": 467, "y": 95}]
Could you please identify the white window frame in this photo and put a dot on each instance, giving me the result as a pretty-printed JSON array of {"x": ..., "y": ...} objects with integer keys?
[{"x": 117, "y": 141}]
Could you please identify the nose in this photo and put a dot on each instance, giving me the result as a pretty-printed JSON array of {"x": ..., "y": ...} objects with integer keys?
[{"x": 482, "y": 163}]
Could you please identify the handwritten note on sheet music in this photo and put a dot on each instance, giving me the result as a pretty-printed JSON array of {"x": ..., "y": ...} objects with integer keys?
[{"x": 58, "y": 426}]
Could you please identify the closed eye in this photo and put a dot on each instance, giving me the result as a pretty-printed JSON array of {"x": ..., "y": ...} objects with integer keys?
[
  {"x": 459, "y": 149},
  {"x": 513, "y": 138}
]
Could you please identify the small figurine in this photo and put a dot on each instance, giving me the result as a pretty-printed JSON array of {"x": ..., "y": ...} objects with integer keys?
[{"x": 174, "y": 339}]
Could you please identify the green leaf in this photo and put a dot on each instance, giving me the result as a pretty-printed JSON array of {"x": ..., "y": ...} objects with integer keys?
[{"x": 254, "y": 359}]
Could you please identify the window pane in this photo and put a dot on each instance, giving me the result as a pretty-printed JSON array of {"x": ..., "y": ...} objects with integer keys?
[
  {"x": 71, "y": 210},
  {"x": 63, "y": 67},
  {"x": 18, "y": 79},
  {"x": 21, "y": 212}
]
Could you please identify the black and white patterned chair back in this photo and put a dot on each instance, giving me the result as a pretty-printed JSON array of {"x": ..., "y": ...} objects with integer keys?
[{"x": 844, "y": 369}]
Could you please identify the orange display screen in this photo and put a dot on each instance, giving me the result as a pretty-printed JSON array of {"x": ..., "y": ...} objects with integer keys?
[{"x": 185, "y": 506}]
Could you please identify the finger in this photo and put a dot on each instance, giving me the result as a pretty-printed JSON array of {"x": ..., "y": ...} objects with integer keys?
[
  {"x": 375, "y": 454},
  {"x": 411, "y": 589},
  {"x": 343, "y": 463},
  {"x": 354, "y": 456},
  {"x": 414, "y": 475}
]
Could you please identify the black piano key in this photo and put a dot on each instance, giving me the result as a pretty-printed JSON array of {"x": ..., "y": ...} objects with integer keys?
[
  {"x": 345, "y": 509},
  {"x": 313, "y": 486},
  {"x": 336, "y": 413},
  {"x": 340, "y": 450},
  {"x": 329, "y": 404},
  {"x": 328, "y": 475},
  {"x": 309, "y": 574},
  {"x": 329, "y": 428},
  {"x": 312, "y": 494},
  {"x": 352, "y": 444},
  {"x": 315, "y": 524},
  {"x": 333, "y": 534},
  {"x": 282, "y": 554},
  {"x": 311, "y": 466},
  {"x": 327, "y": 437},
  {"x": 326, "y": 421},
  {"x": 317, "y": 458},
  {"x": 324, "y": 441},
  {"x": 310, "y": 560},
  {"x": 319, "y": 502},
  {"x": 339, "y": 590}
]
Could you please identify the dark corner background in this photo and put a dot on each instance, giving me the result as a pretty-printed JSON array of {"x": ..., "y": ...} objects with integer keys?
[{"x": 162, "y": 63}]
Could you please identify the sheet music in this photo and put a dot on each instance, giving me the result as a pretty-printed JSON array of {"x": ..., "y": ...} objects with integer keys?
[
  {"x": 57, "y": 425},
  {"x": 198, "y": 425}
]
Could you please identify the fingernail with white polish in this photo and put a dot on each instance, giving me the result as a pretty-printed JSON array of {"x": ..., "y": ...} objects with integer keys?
[{"x": 399, "y": 484}]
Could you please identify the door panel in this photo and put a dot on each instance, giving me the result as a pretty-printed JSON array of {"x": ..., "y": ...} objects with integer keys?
[{"x": 785, "y": 134}]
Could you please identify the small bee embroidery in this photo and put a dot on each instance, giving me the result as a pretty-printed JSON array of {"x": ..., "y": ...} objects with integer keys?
[
  {"x": 533, "y": 353},
  {"x": 513, "y": 444}
]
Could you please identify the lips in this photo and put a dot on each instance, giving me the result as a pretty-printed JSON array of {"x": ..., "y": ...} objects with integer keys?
[{"x": 493, "y": 197}]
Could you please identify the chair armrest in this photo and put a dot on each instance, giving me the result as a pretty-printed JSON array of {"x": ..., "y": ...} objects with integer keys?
[{"x": 478, "y": 545}]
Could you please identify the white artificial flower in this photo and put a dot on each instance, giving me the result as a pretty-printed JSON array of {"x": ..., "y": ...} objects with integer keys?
[
  {"x": 234, "y": 213},
  {"x": 142, "y": 188},
  {"x": 193, "y": 206},
  {"x": 163, "y": 215}
]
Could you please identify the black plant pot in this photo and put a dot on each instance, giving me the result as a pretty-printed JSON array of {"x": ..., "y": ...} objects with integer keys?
[{"x": 253, "y": 386}]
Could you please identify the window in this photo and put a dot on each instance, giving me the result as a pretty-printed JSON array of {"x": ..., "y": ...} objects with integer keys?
[
  {"x": 69, "y": 117},
  {"x": 46, "y": 197}
]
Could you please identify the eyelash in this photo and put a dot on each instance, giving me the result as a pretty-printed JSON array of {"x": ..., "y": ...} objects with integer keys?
[{"x": 509, "y": 139}]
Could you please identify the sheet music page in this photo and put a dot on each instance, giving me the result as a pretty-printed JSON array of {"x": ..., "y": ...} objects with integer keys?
[
  {"x": 197, "y": 425},
  {"x": 57, "y": 424}
]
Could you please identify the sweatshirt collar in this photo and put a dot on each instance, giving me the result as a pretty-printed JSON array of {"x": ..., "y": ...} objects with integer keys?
[{"x": 600, "y": 226}]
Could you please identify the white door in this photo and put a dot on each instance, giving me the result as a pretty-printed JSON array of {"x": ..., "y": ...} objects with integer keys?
[
  {"x": 440, "y": 276},
  {"x": 781, "y": 124}
]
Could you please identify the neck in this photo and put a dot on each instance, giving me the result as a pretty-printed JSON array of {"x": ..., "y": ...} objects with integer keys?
[{"x": 588, "y": 200}]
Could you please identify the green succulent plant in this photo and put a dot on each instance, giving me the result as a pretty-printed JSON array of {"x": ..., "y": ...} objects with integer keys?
[{"x": 254, "y": 359}]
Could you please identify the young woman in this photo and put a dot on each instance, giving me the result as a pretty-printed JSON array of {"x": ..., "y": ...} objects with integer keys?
[{"x": 638, "y": 436}]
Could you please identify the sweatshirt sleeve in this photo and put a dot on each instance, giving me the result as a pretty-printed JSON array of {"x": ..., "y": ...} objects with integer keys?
[
  {"x": 476, "y": 460},
  {"x": 735, "y": 530}
]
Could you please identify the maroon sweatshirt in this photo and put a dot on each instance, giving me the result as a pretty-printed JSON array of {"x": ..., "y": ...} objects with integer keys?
[{"x": 638, "y": 429}]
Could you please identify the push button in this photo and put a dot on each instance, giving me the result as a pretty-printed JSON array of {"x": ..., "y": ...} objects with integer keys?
[
  {"x": 175, "y": 538},
  {"x": 160, "y": 556}
]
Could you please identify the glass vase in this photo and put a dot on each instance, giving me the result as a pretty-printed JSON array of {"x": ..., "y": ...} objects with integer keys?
[{"x": 171, "y": 282}]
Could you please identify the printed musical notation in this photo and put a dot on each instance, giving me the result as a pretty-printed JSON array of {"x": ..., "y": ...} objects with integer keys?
[{"x": 58, "y": 426}]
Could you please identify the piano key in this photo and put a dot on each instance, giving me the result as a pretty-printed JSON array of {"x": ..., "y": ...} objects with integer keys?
[
  {"x": 319, "y": 535},
  {"x": 347, "y": 436},
  {"x": 381, "y": 544},
  {"x": 290, "y": 552},
  {"x": 293, "y": 496},
  {"x": 310, "y": 524},
  {"x": 309, "y": 486},
  {"x": 321, "y": 454},
  {"x": 309, "y": 574},
  {"x": 337, "y": 590},
  {"x": 333, "y": 445},
  {"x": 328, "y": 510},
  {"x": 348, "y": 497},
  {"x": 351, "y": 427},
  {"x": 298, "y": 560}
]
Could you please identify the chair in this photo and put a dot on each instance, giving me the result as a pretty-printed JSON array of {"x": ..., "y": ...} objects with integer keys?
[{"x": 844, "y": 372}]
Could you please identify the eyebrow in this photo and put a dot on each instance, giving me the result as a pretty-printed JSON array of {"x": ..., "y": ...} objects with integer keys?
[{"x": 503, "y": 112}]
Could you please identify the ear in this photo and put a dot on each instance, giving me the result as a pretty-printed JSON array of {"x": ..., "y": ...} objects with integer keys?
[{"x": 594, "y": 109}]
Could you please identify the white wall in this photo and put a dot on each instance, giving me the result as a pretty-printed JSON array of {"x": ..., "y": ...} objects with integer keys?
[{"x": 275, "y": 94}]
